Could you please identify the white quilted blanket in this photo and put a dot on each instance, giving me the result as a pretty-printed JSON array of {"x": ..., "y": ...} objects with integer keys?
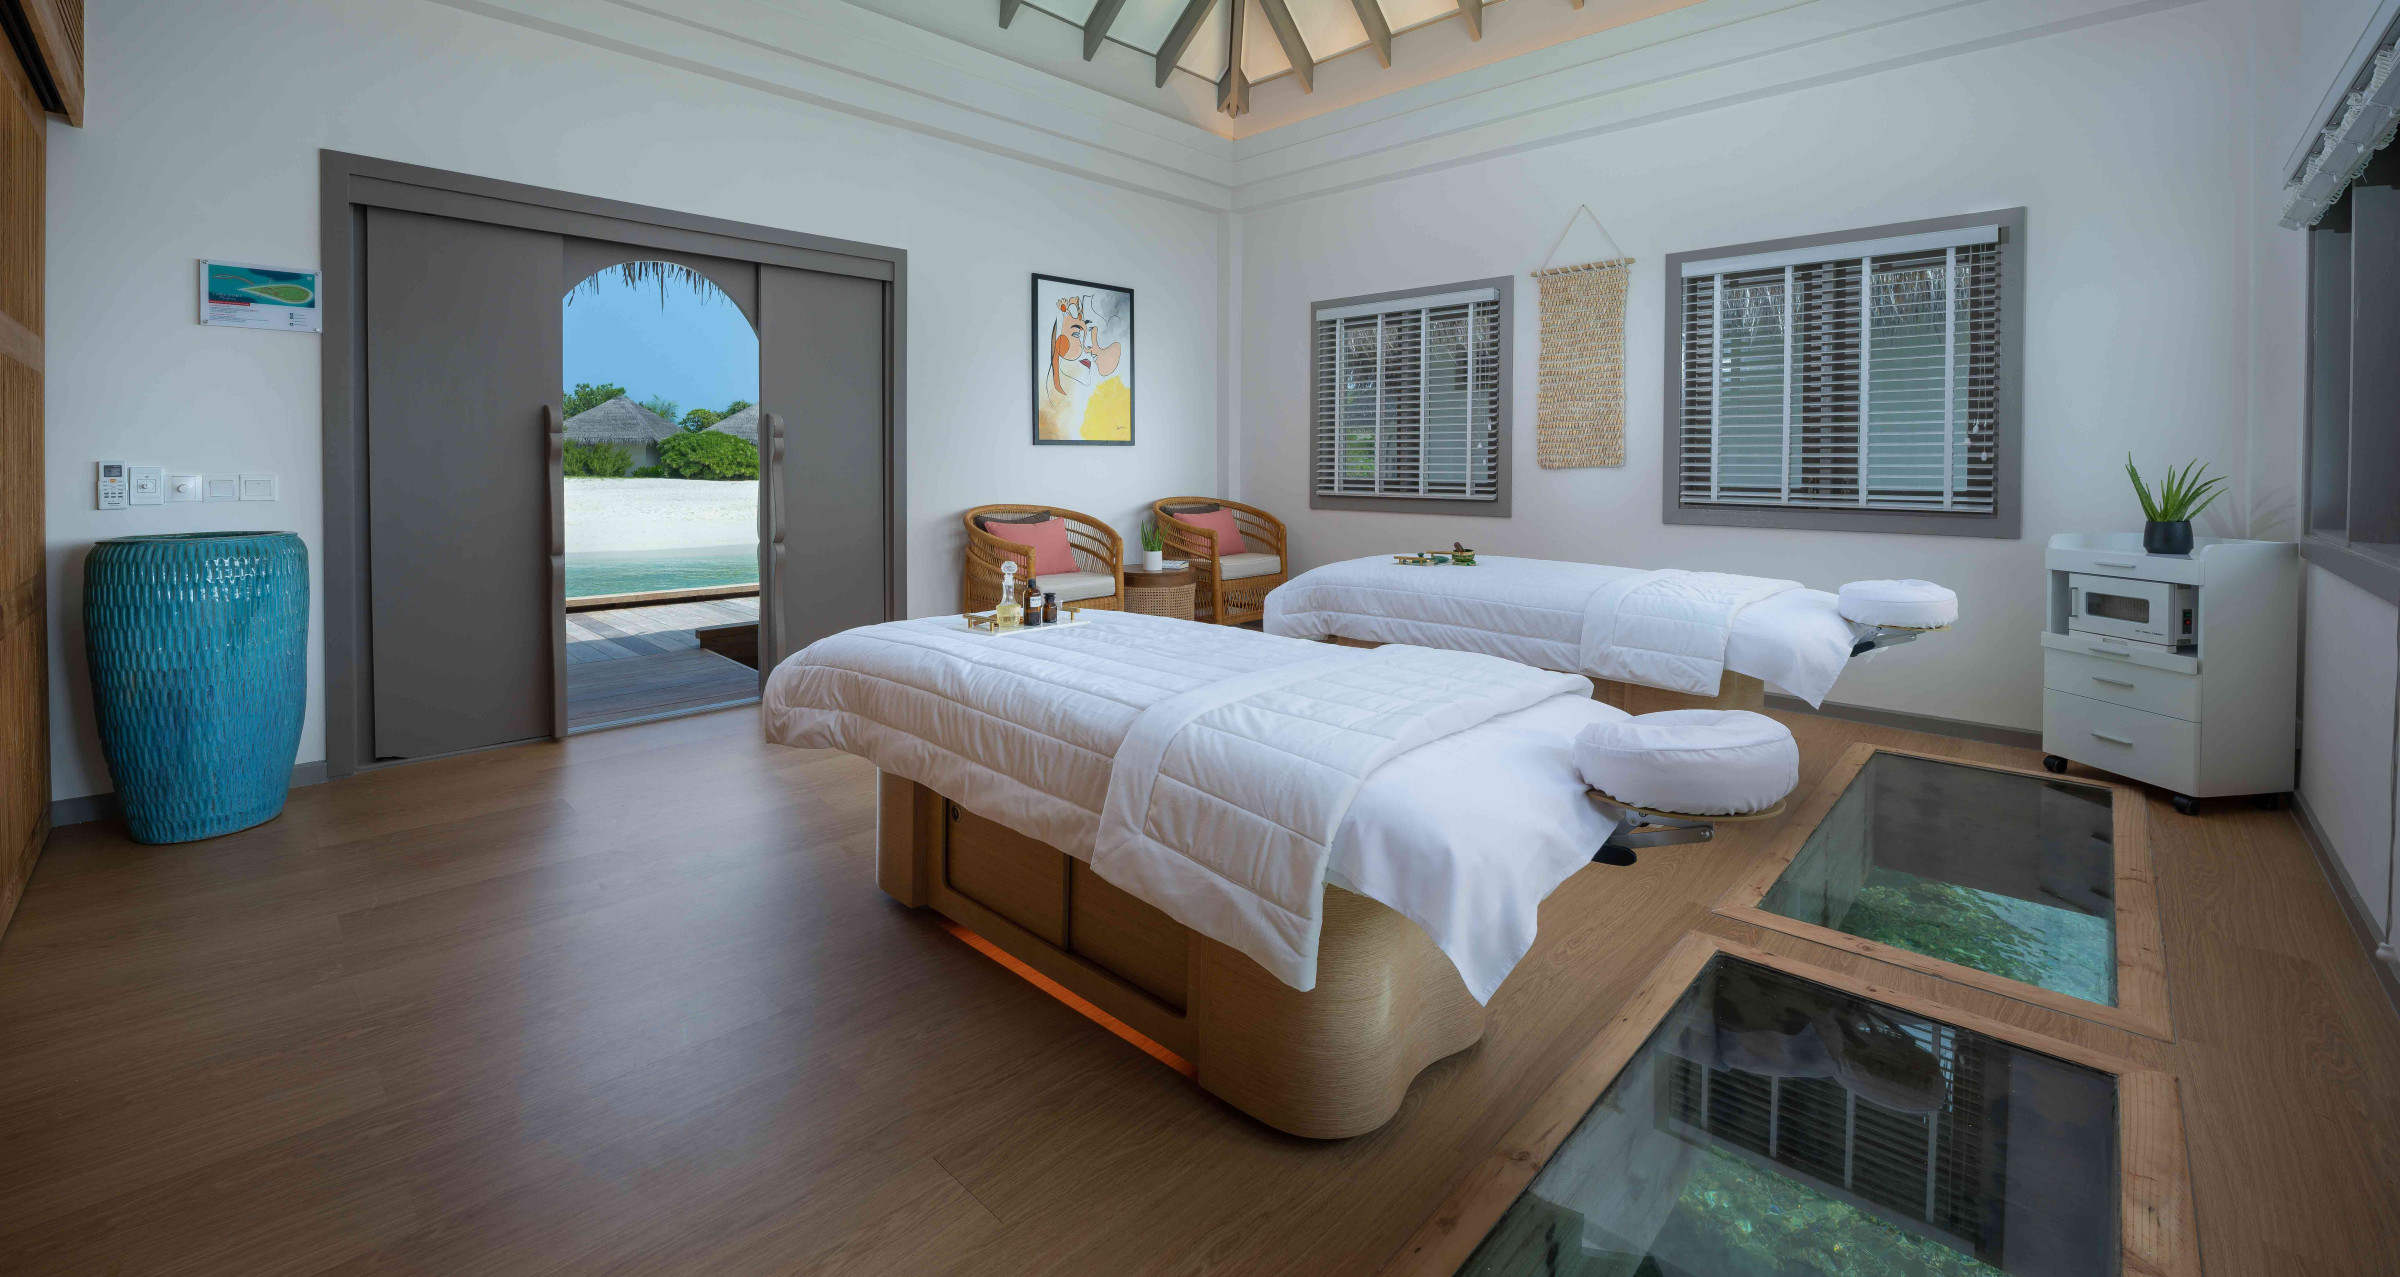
[
  {"x": 1669, "y": 628},
  {"x": 1676, "y": 630},
  {"x": 1205, "y": 769}
]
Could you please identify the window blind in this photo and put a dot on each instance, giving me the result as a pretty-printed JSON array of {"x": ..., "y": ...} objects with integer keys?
[
  {"x": 1860, "y": 376},
  {"x": 1407, "y": 398}
]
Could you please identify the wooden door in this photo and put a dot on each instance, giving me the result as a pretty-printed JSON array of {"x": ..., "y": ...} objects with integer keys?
[
  {"x": 24, "y": 619},
  {"x": 463, "y": 337}
]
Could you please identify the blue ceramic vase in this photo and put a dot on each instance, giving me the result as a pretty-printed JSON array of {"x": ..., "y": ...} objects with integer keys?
[{"x": 198, "y": 644}]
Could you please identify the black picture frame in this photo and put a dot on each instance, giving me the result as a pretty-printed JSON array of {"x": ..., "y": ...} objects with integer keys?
[{"x": 1044, "y": 307}]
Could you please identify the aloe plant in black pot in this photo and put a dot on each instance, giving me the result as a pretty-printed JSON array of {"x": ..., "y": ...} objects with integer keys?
[{"x": 2181, "y": 494}]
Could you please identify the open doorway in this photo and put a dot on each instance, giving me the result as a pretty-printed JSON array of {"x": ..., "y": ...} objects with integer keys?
[{"x": 661, "y": 457}]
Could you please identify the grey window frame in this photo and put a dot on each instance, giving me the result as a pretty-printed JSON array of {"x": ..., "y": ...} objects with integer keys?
[
  {"x": 2005, "y": 522},
  {"x": 2369, "y": 400},
  {"x": 1502, "y": 436}
]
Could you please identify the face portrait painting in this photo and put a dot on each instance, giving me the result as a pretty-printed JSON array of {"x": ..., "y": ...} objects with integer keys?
[{"x": 1083, "y": 388}]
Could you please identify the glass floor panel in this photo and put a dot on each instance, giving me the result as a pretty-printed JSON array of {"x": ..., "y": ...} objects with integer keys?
[
  {"x": 1773, "y": 1127},
  {"x": 2000, "y": 871}
]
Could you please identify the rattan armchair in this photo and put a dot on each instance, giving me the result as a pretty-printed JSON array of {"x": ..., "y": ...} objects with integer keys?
[
  {"x": 1097, "y": 548},
  {"x": 1218, "y": 600}
]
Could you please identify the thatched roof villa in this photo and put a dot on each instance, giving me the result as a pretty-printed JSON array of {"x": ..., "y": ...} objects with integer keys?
[
  {"x": 625, "y": 423},
  {"x": 743, "y": 425}
]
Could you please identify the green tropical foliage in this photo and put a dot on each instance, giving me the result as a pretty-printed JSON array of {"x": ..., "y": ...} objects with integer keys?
[
  {"x": 2181, "y": 494},
  {"x": 708, "y": 455},
  {"x": 586, "y": 396},
  {"x": 647, "y": 472},
  {"x": 597, "y": 460},
  {"x": 663, "y": 406},
  {"x": 702, "y": 418}
]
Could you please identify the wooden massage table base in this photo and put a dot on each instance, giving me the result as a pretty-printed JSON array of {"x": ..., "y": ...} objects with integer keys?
[
  {"x": 1734, "y": 691},
  {"x": 1329, "y": 1063}
]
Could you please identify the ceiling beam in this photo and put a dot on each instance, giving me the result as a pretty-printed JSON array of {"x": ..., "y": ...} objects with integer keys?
[
  {"x": 1180, "y": 38},
  {"x": 1379, "y": 32},
  {"x": 1287, "y": 34},
  {"x": 1471, "y": 12},
  {"x": 1233, "y": 89},
  {"x": 1008, "y": 10},
  {"x": 1095, "y": 27}
]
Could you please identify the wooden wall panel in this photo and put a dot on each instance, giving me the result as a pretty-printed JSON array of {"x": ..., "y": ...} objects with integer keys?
[{"x": 24, "y": 627}]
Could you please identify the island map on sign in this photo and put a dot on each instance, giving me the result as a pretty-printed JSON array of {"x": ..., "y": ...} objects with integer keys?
[{"x": 255, "y": 285}]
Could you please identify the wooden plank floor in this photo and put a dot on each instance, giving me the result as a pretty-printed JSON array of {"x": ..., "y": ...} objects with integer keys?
[{"x": 632, "y": 1003}]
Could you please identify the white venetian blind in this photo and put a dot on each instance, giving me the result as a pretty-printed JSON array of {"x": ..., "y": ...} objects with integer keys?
[
  {"x": 1407, "y": 398},
  {"x": 1858, "y": 376}
]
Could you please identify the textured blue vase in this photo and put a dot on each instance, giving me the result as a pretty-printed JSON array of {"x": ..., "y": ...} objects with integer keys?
[{"x": 199, "y": 654}]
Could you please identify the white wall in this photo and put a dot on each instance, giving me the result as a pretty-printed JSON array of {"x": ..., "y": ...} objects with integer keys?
[
  {"x": 202, "y": 141},
  {"x": 2139, "y": 247},
  {"x": 2353, "y": 668}
]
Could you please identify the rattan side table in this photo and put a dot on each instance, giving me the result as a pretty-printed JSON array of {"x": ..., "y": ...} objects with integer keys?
[{"x": 1168, "y": 592}]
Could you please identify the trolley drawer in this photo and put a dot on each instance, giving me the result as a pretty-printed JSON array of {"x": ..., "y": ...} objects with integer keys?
[
  {"x": 2131, "y": 742},
  {"x": 2122, "y": 682}
]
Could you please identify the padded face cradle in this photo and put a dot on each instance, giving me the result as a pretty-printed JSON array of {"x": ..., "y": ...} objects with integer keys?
[
  {"x": 1700, "y": 762},
  {"x": 1913, "y": 605}
]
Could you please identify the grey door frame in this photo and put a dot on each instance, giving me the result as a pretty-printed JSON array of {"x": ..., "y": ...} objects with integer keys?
[{"x": 350, "y": 184}]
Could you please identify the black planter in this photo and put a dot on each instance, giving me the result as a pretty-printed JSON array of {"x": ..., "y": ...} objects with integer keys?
[{"x": 2167, "y": 538}]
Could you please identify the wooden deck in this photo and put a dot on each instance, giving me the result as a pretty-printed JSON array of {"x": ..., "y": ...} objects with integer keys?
[
  {"x": 624, "y": 633},
  {"x": 633, "y": 665},
  {"x": 632, "y": 1003}
]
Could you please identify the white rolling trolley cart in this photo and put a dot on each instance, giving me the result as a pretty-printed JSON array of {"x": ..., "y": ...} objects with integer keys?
[{"x": 2180, "y": 671}]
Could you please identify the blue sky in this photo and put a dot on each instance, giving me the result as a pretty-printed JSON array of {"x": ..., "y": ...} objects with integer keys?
[{"x": 697, "y": 350}]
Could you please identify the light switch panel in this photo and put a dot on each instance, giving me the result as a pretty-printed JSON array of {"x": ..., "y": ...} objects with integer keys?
[
  {"x": 259, "y": 487},
  {"x": 149, "y": 485},
  {"x": 111, "y": 486},
  {"x": 224, "y": 487},
  {"x": 186, "y": 487}
]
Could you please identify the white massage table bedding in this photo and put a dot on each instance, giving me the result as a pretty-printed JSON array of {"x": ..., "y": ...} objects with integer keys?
[
  {"x": 1465, "y": 834},
  {"x": 1534, "y": 611}
]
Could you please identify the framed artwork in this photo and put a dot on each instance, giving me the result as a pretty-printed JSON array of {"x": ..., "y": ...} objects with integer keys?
[{"x": 1082, "y": 362}]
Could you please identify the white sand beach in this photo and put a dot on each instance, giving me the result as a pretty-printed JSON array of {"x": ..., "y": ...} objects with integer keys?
[{"x": 617, "y": 515}]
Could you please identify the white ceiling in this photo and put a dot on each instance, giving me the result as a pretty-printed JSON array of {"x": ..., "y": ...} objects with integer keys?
[{"x": 1430, "y": 39}]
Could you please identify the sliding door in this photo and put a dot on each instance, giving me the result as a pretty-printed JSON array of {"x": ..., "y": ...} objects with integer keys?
[
  {"x": 462, "y": 355},
  {"x": 824, "y": 384}
]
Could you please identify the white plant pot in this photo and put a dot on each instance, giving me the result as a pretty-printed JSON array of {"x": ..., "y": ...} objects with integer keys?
[{"x": 1154, "y": 560}]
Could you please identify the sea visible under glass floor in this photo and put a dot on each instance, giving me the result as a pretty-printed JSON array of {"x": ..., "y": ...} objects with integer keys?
[
  {"x": 2009, "y": 873},
  {"x": 1771, "y": 1126}
]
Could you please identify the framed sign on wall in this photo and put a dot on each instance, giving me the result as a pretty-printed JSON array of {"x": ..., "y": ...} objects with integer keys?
[
  {"x": 1082, "y": 362},
  {"x": 241, "y": 295}
]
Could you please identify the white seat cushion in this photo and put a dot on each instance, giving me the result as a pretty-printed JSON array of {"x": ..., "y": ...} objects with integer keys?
[
  {"x": 1073, "y": 586},
  {"x": 1701, "y": 762},
  {"x": 1239, "y": 566},
  {"x": 1916, "y": 605}
]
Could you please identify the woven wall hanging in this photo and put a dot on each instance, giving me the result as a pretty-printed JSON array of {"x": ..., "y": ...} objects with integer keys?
[{"x": 1581, "y": 421}]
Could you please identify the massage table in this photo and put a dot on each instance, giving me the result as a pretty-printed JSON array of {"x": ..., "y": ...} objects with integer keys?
[
  {"x": 1649, "y": 640},
  {"x": 1301, "y": 868}
]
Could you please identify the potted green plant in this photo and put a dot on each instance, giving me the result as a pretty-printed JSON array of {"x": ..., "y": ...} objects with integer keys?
[
  {"x": 2181, "y": 494},
  {"x": 1154, "y": 548}
]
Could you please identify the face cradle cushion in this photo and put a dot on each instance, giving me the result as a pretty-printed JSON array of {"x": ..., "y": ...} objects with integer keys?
[
  {"x": 1915, "y": 605},
  {"x": 1697, "y": 762}
]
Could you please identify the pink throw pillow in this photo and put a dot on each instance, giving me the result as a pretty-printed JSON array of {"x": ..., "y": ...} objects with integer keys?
[
  {"x": 1051, "y": 550},
  {"x": 1221, "y": 522}
]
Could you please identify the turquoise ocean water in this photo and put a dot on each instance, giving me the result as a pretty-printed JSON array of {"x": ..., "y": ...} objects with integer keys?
[{"x": 639, "y": 571}]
